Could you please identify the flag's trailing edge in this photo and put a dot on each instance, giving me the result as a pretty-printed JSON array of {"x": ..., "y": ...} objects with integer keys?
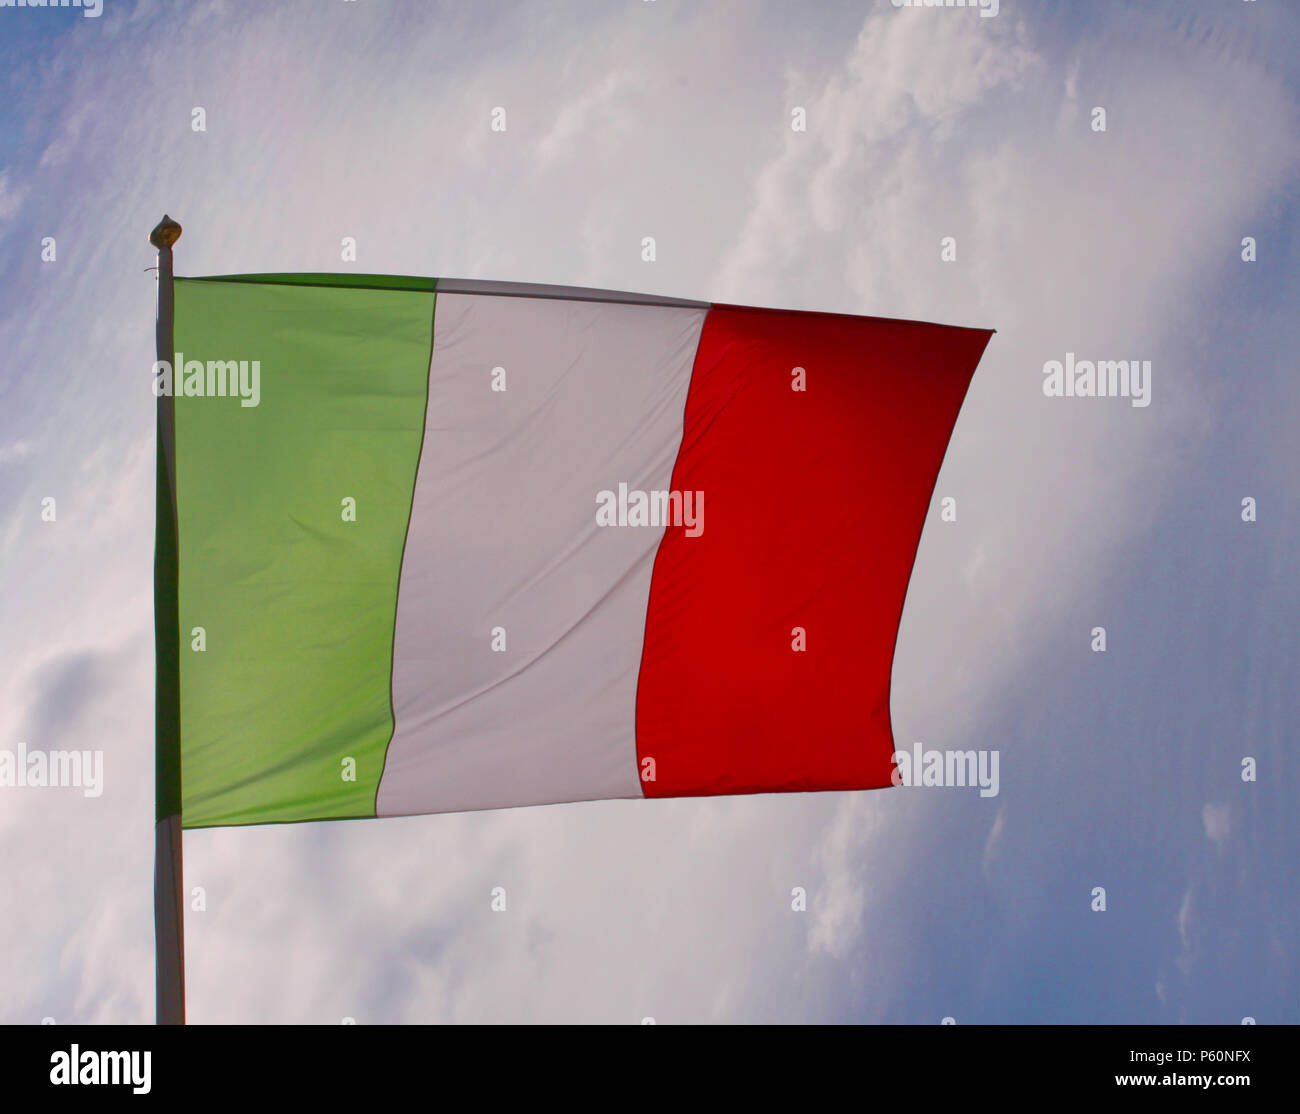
[{"x": 445, "y": 545}]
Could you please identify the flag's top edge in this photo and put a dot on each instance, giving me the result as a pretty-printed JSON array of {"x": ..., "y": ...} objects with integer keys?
[
  {"x": 491, "y": 288},
  {"x": 568, "y": 293},
  {"x": 353, "y": 282},
  {"x": 456, "y": 286}
]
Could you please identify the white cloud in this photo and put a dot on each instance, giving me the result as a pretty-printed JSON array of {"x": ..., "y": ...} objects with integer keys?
[
  {"x": 15, "y": 450},
  {"x": 995, "y": 837},
  {"x": 11, "y": 196},
  {"x": 1218, "y": 823},
  {"x": 839, "y": 904}
]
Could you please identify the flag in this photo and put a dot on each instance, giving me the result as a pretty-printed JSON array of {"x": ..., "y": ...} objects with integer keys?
[{"x": 450, "y": 545}]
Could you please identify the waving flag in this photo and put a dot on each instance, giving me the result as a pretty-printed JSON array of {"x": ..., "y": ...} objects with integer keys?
[{"x": 448, "y": 545}]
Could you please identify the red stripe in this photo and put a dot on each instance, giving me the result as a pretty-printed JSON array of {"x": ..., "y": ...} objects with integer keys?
[{"x": 813, "y": 508}]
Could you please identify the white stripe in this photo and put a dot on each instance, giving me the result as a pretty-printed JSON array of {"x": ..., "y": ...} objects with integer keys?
[{"x": 503, "y": 534}]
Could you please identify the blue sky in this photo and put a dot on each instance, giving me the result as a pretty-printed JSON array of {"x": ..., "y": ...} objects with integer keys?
[{"x": 1121, "y": 769}]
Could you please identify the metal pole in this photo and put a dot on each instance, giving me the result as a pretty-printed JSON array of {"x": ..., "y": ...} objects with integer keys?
[{"x": 168, "y": 883}]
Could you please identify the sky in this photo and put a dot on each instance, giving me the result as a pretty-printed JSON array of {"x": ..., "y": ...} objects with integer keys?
[{"x": 1120, "y": 769}]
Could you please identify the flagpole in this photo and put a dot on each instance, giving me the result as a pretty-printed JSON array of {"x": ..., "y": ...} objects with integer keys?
[{"x": 168, "y": 885}]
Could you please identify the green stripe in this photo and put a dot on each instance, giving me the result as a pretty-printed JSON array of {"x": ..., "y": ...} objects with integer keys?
[{"x": 297, "y": 604}]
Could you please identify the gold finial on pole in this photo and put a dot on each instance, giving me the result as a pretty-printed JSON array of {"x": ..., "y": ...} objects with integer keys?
[{"x": 166, "y": 232}]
